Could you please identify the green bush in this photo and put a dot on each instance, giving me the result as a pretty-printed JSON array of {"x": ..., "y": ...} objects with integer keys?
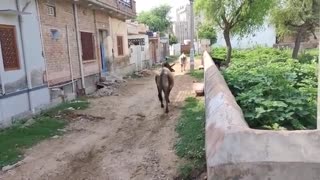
[{"x": 274, "y": 90}]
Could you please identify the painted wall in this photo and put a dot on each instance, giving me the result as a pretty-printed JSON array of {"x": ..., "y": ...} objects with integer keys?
[
  {"x": 16, "y": 79},
  {"x": 119, "y": 28},
  {"x": 10, "y": 77},
  {"x": 14, "y": 105},
  {"x": 266, "y": 36}
]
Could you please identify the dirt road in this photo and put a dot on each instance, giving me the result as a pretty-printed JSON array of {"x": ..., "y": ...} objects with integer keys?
[{"x": 134, "y": 139}]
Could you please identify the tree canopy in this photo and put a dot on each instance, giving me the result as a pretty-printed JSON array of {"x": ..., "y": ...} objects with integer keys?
[
  {"x": 157, "y": 18},
  {"x": 299, "y": 17},
  {"x": 235, "y": 16},
  {"x": 206, "y": 31}
]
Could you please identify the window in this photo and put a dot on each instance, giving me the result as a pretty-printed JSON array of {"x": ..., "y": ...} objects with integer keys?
[
  {"x": 126, "y": 2},
  {"x": 120, "y": 45},
  {"x": 51, "y": 8},
  {"x": 9, "y": 47},
  {"x": 87, "y": 44}
]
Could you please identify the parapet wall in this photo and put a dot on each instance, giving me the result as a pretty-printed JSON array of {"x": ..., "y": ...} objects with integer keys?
[{"x": 234, "y": 151}]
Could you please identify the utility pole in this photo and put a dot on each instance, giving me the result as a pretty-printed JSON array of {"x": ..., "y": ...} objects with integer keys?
[
  {"x": 192, "y": 36},
  {"x": 318, "y": 103}
]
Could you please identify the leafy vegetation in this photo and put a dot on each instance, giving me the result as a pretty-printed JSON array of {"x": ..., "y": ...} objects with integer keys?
[
  {"x": 273, "y": 90},
  {"x": 190, "y": 145},
  {"x": 157, "y": 18},
  {"x": 172, "y": 39},
  {"x": 206, "y": 31},
  {"x": 198, "y": 74},
  {"x": 234, "y": 16},
  {"x": 298, "y": 17},
  {"x": 22, "y": 135}
]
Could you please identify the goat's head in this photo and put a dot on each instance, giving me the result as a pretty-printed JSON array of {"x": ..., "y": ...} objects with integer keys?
[{"x": 167, "y": 65}]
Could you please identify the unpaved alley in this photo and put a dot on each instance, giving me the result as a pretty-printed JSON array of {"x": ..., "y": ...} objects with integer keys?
[{"x": 119, "y": 138}]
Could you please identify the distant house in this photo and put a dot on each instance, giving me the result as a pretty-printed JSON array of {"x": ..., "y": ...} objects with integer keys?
[
  {"x": 265, "y": 36},
  {"x": 23, "y": 88},
  {"x": 138, "y": 41},
  {"x": 307, "y": 42}
]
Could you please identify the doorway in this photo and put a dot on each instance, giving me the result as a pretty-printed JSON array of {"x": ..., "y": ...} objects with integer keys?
[{"x": 103, "y": 34}]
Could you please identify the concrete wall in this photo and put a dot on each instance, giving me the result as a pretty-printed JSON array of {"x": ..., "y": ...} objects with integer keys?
[
  {"x": 175, "y": 49},
  {"x": 25, "y": 89},
  {"x": 234, "y": 151},
  {"x": 265, "y": 36},
  {"x": 119, "y": 64}
]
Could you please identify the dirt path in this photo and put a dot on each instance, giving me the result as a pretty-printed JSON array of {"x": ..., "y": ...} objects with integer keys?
[{"x": 134, "y": 140}]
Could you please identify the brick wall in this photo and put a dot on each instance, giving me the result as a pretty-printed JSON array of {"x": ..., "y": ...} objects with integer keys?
[
  {"x": 87, "y": 24},
  {"x": 56, "y": 51},
  {"x": 89, "y": 20}
]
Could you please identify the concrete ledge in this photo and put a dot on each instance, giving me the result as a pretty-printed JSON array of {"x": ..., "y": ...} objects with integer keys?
[{"x": 234, "y": 151}]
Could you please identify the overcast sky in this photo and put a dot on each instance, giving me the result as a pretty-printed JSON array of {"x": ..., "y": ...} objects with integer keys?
[{"x": 144, "y": 5}]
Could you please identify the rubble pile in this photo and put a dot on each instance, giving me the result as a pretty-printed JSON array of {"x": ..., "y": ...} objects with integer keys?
[
  {"x": 143, "y": 73},
  {"x": 108, "y": 87}
]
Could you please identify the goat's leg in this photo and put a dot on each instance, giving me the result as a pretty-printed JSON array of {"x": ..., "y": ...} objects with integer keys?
[
  {"x": 166, "y": 95},
  {"x": 159, "y": 92},
  {"x": 160, "y": 98}
]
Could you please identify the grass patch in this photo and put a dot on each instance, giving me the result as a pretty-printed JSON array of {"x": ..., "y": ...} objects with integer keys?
[
  {"x": 198, "y": 74},
  {"x": 190, "y": 145},
  {"x": 14, "y": 140}
]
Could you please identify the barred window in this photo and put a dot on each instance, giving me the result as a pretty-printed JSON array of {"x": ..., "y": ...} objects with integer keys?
[
  {"x": 87, "y": 44},
  {"x": 9, "y": 47},
  {"x": 120, "y": 45},
  {"x": 51, "y": 8}
]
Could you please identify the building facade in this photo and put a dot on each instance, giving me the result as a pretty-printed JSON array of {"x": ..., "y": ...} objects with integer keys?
[
  {"x": 83, "y": 41},
  {"x": 55, "y": 50},
  {"x": 22, "y": 65},
  {"x": 182, "y": 25}
]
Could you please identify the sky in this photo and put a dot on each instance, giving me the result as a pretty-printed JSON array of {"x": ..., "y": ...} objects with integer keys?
[{"x": 144, "y": 5}]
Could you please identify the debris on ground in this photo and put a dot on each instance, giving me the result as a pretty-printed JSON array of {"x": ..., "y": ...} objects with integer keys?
[
  {"x": 143, "y": 73},
  {"x": 9, "y": 167},
  {"x": 28, "y": 123},
  {"x": 108, "y": 87}
]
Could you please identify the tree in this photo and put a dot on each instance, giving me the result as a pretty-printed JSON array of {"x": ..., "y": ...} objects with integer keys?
[
  {"x": 206, "y": 31},
  {"x": 157, "y": 18},
  {"x": 299, "y": 17},
  {"x": 172, "y": 39},
  {"x": 235, "y": 16}
]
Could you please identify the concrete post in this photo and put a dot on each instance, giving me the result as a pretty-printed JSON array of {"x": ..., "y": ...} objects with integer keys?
[
  {"x": 318, "y": 103},
  {"x": 192, "y": 36}
]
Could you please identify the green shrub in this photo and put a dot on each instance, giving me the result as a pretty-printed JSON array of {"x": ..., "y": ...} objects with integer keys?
[{"x": 274, "y": 90}]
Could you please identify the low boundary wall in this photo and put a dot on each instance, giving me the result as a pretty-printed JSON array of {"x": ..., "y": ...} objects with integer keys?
[{"x": 234, "y": 151}]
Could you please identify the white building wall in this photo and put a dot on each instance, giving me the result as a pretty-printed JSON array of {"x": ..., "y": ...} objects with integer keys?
[
  {"x": 22, "y": 97},
  {"x": 265, "y": 36}
]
